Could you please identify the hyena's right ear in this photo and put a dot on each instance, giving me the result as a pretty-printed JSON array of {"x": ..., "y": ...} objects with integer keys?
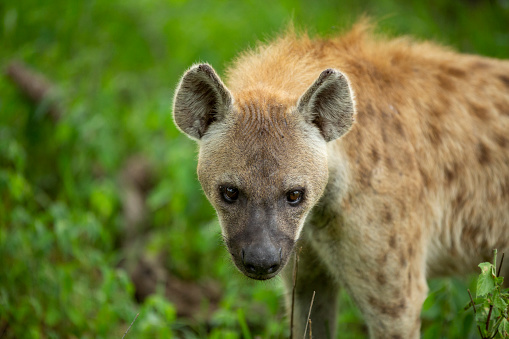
[
  {"x": 329, "y": 104},
  {"x": 201, "y": 98}
]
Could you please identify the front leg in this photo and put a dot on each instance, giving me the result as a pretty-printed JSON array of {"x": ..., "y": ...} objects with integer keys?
[
  {"x": 311, "y": 277},
  {"x": 385, "y": 276}
]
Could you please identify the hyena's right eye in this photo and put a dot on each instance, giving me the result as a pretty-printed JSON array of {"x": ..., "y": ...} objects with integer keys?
[
  {"x": 229, "y": 193},
  {"x": 294, "y": 197}
]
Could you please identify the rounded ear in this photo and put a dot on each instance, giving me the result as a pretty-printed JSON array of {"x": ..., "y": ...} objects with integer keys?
[
  {"x": 329, "y": 104},
  {"x": 200, "y": 99}
]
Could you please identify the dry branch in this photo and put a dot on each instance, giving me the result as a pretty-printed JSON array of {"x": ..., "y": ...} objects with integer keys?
[{"x": 35, "y": 86}]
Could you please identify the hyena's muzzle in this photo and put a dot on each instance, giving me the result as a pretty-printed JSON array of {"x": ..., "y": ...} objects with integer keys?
[{"x": 260, "y": 249}]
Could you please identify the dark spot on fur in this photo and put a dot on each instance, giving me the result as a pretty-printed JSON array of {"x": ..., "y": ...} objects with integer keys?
[
  {"x": 387, "y": 216},
  {"x": 380, "y": 278},
  {"x": 392, "y": 241},
  {"x": 399, "y": 127},
  {"x": 480, "y": 112},
  {"x": 410, "y": 251},
  {"x": 436, "y": 112},
  {"x": 505, "y": 79},
  {"x": 470, "y": 235},
  {"x": 364, "y": 176},
  {"x": 505, "y": 189},
  {"x": 370, "y": 110},
  {"x": 456, "y": 72},
  {"x": 483, "y": 154},
  {"x": 459, "y": 202},
  {"x": 449, "y": 176},
  {"x": 409, "y": 284},
  {"x": 366, "y": 115},
  {"x": 375, "y": 156},
  {"x": 480, "y": 65},
  {"x": 382, "y": 259},
  {"x": 361, "y": 118},
  {"x": 402, "y": 259},
  {"x": 502, "y": 108},
  {"x": 501, "y": 140},
  {"x": 446, "y": 83},
  {"x": 396, "y": 336},
  {"x": 434, "y": 134},
  {"x": 392, "y": 309}
]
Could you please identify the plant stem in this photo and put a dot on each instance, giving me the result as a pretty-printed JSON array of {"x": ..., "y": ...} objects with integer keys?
[
  {"x": 495, "y": 258},
  {"x": 472, "y": 300},
  {"x": 309, "y": 314},
  {"x": 488, "y": 319},
  {"x": 500, "y": 267},
  {"x": 130, "y": 325}
]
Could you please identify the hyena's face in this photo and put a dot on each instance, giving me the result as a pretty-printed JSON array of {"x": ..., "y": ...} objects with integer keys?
[
  {"x": 263, "y": 171},
  {"x": 262, "y": 162}
]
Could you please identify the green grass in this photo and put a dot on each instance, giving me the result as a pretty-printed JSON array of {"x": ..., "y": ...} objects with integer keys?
[{"x": 115, "y": 64}]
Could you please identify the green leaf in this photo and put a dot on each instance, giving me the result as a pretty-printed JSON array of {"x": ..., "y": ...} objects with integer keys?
[
  {"x": 503, "y": 328},
  {"x": 498, "y": 301},
  {"x": 486, "y": 280}
]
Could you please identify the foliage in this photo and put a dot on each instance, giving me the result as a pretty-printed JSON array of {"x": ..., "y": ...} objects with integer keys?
[
  {"x": 491, "y": 303},
  {"x": 115, "y": 64}
]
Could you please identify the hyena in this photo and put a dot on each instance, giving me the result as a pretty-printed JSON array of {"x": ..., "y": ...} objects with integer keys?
[{"x": 385, "y": 161}]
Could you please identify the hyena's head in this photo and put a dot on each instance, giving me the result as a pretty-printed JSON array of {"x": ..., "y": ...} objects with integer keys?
[{"x": 263, "y": 159}]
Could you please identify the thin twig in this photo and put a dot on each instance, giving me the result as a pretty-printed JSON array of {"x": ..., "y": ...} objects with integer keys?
[
  {"x": 472, "y": 300},
  {"x": 491, "y": 306},
  {"x": 131, "y": 325},
  {"x": 35, "y": 86},
  {"x": 295, "y": 270},
  {"x": 500, "y": 267},
  {"x": 309, "y": 314},
  {"x": 310, "y": 330},
  {"x": 475, "y": 311},
  {"x": 480, "y": 333},
  {"x": 488, "y": 319}
]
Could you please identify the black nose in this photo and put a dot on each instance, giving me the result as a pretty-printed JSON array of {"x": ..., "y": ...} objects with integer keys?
[{"x": 261, "y": 260}]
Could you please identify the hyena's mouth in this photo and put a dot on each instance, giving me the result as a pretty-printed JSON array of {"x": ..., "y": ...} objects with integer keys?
[
  {"x": 262, "y": 265},
  {"x": 260, "y": 277}
]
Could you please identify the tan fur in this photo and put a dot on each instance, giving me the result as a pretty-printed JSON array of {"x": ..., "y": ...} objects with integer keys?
[{"x": 418, "y": 187}]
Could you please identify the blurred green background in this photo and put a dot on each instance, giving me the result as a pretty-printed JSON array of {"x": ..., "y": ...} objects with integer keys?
[{"x": 101, "y": 215}]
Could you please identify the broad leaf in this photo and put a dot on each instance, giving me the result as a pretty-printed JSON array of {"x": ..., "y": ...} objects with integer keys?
[
  {"x": 498, "y": 301},
  {"x": 486, "y": 280},
  {"x": 503, "y": 328}
]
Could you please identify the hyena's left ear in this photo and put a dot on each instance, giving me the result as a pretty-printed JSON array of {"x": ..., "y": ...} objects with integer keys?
[
  {"x": 201, "y": 98},
  {"x": 329, "y": 104}
]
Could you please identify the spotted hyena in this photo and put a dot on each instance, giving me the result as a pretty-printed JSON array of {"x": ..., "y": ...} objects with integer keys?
[{"x": 385, "y": 161}]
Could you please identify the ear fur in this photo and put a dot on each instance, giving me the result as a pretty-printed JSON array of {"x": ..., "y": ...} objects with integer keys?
[
  {"x": 329, "y": 104},
  {"x": 200, "y": 99}
]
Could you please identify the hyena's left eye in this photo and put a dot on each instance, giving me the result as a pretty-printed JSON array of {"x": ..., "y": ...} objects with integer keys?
[
  {"x": 294, "y": 197},
  {"x": 229, "y": 193}
]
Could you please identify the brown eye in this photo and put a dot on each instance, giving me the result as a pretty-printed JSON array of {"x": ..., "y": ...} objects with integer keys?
[
  {"x": 230, "y": 194},
  {"x": 294, "y": 197}
]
